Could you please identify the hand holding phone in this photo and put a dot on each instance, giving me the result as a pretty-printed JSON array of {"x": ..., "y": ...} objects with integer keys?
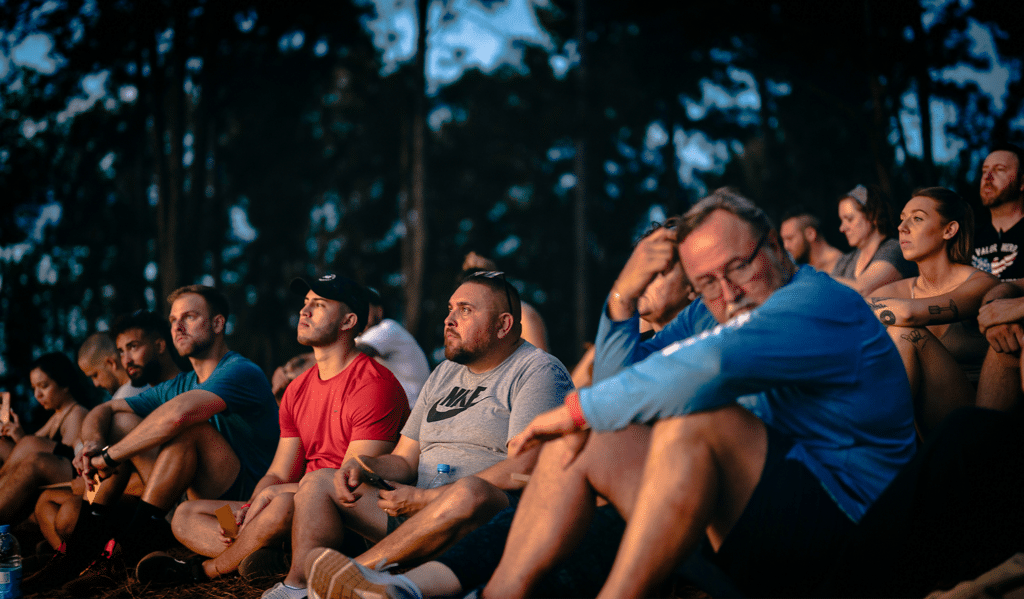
[{"x": 372, "y": 478}]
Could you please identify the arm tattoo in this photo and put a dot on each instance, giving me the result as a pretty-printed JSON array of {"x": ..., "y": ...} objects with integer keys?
[
  {"x": 887, "y": 317},
  {"x": 937, "y": 310},
  {"x": 876, "y": 302},
  {"x": 915, "y": 336}
]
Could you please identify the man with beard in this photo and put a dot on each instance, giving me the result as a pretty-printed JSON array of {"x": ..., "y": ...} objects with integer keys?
[
  {"x": 346, "y": 405},
  {"x": 997, "y": 244},
  {"x": 759, "y": 442},
  {"x": 491, "y": 386},
  {"x": 143, "y": 343},
  {"x": 997, "y": 240},
  {"x": 98, "y": 359},
  {"x": 209, "y": 433},
  {"x": 801, "y": 235},
  {"x": 145, "y": 359}
]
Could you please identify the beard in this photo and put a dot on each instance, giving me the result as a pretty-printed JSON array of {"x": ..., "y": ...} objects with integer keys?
[
  {"x": 149, "y": 374},
  {"x": 198, "y": 347},
  {"x": 1008, "y": 194}
]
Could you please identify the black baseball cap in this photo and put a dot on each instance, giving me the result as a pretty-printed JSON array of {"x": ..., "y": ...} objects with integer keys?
[{"x": 337, "y": 288}]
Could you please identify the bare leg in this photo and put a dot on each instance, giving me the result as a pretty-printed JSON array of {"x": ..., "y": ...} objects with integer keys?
[
  {"x": 48, "y": 510},
  {"x": 558, "y": 504},
  {"x": 197, "y": 528},
  {"x": 320, "y": 520},
  {"x": 938, "y": 384},
  {"x": 199, "y": 460},
  {"x": 466, "y": 504},
  {"x": 699, "y": 476},
  {"x": 21, "y": 479},
  {"x": 999, "y": 387}
]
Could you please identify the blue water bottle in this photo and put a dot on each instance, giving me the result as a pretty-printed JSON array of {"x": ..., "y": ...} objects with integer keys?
[
  {"x": 10, "y": 564},
  {"x": 443, "y": 476}
]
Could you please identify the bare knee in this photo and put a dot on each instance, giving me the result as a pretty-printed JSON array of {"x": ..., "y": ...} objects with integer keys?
[
  {"x": 122, "y": 423},
  {"x": 185, "y": 516},
  {"x": 469, "y": 497},
  {"x": 279, "y": 513}
]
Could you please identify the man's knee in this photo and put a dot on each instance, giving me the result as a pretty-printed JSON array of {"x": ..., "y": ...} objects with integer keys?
[
  {"x": 122, "y": 423},
  {"x": 186, "y": 517},
  {"x": 470, "y": 497},
  {"x": 728, "y": 426}
]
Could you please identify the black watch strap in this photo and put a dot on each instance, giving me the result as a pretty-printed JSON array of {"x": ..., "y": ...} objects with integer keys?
[{"x": 111, "y": 462}]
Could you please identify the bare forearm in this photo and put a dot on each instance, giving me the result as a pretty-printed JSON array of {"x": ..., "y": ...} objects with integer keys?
[
  {"x": 392, "y": 467},
  {"x": 1003, "y": 291},
  {"x": 500, "y": 474}
]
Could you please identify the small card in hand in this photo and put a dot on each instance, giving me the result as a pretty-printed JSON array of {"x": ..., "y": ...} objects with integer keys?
[{"x": 226, "y": 518}]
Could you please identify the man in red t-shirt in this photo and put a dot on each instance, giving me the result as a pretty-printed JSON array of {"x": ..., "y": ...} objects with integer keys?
[{"x": 346, "y": 405}]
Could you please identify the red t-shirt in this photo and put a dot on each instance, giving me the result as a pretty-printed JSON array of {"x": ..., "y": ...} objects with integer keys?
[{"x": 364, "y": 402}]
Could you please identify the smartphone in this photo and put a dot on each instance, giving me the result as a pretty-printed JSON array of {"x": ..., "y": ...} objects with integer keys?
[
  {"x": 5, "y": 407},
  {"x": 372, "y": 478}
]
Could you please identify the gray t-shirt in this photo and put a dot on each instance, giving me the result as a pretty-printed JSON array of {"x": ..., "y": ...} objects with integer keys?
[
  {"x": 465, "y": 420},
  {"x": 889, "y": 251}
]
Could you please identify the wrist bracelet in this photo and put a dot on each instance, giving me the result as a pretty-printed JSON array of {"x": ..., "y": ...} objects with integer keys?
[
  {"x": 105, "y": 454},
  {"x": 572, "y": 401}
]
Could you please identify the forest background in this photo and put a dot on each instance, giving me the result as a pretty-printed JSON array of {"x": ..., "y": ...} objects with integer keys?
[{"x": 241, "y": 143}]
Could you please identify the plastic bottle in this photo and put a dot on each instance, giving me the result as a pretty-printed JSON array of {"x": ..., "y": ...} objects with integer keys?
[
  {"x": 10, "y": 564},
  {"x": 443, "y": 476}
]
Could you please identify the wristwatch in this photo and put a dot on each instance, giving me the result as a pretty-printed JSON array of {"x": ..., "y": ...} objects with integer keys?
[{"x": 111, "y": 462}]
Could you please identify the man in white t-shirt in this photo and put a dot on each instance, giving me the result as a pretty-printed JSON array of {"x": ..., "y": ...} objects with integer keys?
[
  {"x": 98, "y": 359},
  {"x": 390, "y": 344}
]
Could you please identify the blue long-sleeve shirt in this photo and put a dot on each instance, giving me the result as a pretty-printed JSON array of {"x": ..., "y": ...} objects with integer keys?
[{"x": 814, "y": 364}]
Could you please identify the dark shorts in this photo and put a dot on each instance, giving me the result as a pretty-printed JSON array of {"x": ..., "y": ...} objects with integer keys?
[
  {"x": 64, "y": 451},
  {"x": 788, "y": 535},
  {"x": 241, "y": 489}
]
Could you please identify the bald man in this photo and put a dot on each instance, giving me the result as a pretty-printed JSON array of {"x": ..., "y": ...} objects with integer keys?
[{"x": 99, "y": 360}]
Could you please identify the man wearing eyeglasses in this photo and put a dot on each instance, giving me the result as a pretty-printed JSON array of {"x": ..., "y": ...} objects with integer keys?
[
  {"x": 491, "y": 386},
  {"x": 769, "y": 493}
]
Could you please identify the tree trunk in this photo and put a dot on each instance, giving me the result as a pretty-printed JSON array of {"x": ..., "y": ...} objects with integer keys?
[
  {"x": 581, "y": 283},
  {"x": 414, "y": 257}
]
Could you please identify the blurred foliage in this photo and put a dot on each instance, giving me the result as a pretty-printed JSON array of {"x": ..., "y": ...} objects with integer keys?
[{"x": 244, "y": 142}]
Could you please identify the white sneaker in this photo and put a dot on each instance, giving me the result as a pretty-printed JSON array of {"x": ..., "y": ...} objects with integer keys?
[
  {"x": 279, "y": 591},
  {"x": 334, "y": 576}
]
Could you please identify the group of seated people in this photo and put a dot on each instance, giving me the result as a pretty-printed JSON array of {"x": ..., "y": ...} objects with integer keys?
[{"x": 763, "y": 416}]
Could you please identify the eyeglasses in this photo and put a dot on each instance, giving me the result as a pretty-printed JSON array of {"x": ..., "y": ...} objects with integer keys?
[
  {"x": 496, "y": 274},
  {"x": 737, "y": 273}
]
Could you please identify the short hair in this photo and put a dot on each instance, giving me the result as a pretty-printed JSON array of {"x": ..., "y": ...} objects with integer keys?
[
  {"x": 729, "y": 200},
  {"x": 952, "y": 207},
  {"x": 150, "y": 323},
  {"x": 807, "y": 218},
  {"x": 495, "y": 281},
  {"x": 214, "y": 298},
  {"x": 58, "y": 367},
  {"x": 373, "y": 297},
  {"x": 95, "y": 347},
  {"x": 872, "y": 202},
  {"x": 1013, "y": 149}
]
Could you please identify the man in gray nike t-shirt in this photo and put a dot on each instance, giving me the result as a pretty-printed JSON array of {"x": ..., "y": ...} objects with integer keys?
[{"x": 491, "y": 386}]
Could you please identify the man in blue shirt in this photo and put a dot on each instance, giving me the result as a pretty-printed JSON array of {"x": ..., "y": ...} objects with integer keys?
[
  {"x": 210, "y": 433},
  {"x": 772, "y": 488}
]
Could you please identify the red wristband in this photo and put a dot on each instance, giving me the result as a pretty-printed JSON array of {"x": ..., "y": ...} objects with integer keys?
[{"x": 572, "y": 401}]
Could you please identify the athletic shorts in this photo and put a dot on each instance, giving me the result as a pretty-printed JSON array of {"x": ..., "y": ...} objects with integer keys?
[{"x": 790, "y": 532}]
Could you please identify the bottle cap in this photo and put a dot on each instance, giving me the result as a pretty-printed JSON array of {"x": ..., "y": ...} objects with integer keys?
[{"x": 443, "y": 468}]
